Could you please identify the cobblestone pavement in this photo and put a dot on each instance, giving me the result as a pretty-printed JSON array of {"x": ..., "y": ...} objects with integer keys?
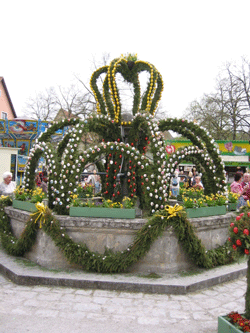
[{"x": 58, "y": 309}]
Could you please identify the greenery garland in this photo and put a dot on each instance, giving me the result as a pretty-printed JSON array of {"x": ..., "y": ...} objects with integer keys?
[
  {"x": 202, "y": 140},
  {"x": 65, "y": 165},
  {"x": 119, "y": 261},
  {"x": 201, "y": 159},
  {"x": 129, "y": 68},
  {"x": 151, "y": 186}
]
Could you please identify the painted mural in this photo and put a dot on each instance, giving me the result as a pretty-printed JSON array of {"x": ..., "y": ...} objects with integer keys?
[{"x": 237, "y": 148}]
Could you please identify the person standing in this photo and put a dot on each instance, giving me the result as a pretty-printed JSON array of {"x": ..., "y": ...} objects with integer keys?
[
  {"x": 198, "y": 184},
  {"x": 175, "y": 184},
  {"x": 245, "y": 183},
  {"x": 236, "y": 187}
]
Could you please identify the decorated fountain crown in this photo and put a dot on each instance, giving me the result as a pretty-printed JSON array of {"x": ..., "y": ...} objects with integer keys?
[{"x": 129, "y": 67}]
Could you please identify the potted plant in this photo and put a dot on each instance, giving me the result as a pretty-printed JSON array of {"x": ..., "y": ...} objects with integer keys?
[
  {"x": 239, "y": 231},
  {"x": 85, "y": 191},
  {"x": 26, "y": 199},
  {"x": 106, "y": 208},
  {"x": 204, "y": 205},
  {"x": 232, "y": 201}
]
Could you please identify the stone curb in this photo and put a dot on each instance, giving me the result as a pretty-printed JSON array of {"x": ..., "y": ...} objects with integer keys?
[{"x": 181, "y": 286}]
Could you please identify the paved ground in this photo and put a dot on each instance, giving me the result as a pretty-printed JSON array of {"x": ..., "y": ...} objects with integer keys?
[{"x": 60, "y": 309}]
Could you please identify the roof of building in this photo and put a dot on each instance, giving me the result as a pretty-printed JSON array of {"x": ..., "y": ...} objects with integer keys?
[
  {"x": 62, "y": 114},
  {"x": 8, "y": 96}
]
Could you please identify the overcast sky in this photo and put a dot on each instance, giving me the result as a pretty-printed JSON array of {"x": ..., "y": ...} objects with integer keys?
[{"x": 46, "y": 43}]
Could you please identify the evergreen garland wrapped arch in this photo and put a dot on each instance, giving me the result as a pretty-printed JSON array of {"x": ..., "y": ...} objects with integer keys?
[
  {"x": 201, "y": 159},
  {"x": 130, "y": 68},
  {"x": 202, "y": 140}
]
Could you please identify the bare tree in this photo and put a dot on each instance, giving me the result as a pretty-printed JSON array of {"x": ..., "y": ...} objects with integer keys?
[
  {"x": 226, "y": 112},
  {"x": 72, "y": 101},
  {"x": 42, "y": 106}
]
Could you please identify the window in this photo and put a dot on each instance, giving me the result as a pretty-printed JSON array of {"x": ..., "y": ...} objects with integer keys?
[{"x": 4, "y": 115}]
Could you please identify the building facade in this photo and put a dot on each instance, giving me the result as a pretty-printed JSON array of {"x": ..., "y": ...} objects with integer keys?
[{"x": 7, "y": 110}]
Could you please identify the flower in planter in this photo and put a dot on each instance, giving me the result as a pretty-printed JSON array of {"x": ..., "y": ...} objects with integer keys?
[
  {"x": 189, "y": 202},
  {"x": 201, "y": 202},
  {"x": 116, "y": 205},
  {"x": 233, "y": 197},
  {"x": 220, "y": 199},
  {"x": 211, "y": 200},
  {"x": 85, "y": 191},
  {"x": 127, "y": 203},
  {"x": 88, "y": 203},
  {"x": 22, "y": 194},
  {"x": 5, "y": 200},
  {"x": 75, "y": 200},
  {"x": 240, "y": 321},
  {"x": 37, "y": 195},
  {"x": 194, "y": 192},
  {"x": 107, "y": 203}
]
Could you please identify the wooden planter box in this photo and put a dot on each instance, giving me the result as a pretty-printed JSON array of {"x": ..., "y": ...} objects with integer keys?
[
  {"x": 206, "y": 211},
  {"x": 224, "y": 326},
  {"x": 117, "y": 213},
  {"x": 24, "y": 205},
  {"x": 231, "y": 206}
]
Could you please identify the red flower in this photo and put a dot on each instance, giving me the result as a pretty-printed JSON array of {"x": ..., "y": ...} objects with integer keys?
[
  {"x": 232, "y": 224},
  {"x": 241, "y": 323},
  {"x": 235, "y": 230},
  {"x": 229, "y": 239},
  {"x": 238, "y": 218},
  {"x": 234, "y": 247},
  {"x": 248, "y": 214},
  {"x": 238, "y": 242},
  {"x": 241, "y": 214},
  {"x": 246, "y": 232},
  {"x": 246, "y": 251}
]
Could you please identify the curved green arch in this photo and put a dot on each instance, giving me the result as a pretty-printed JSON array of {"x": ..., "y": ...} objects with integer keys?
[
  {"x": 194, "y": 155},
  {"x": 199, "y": 138}
]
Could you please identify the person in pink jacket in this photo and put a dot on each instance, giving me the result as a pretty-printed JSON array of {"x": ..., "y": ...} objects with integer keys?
[{"x": 236, "y": 187}]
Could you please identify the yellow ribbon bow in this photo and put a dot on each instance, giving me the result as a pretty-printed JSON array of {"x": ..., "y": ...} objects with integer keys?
[
  {"x": 172, "y": 211},
  {"x": 41, "y": 209}
]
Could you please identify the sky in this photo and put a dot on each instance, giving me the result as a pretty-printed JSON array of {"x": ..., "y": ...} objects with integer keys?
[{"x": 47, "y": 43}]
